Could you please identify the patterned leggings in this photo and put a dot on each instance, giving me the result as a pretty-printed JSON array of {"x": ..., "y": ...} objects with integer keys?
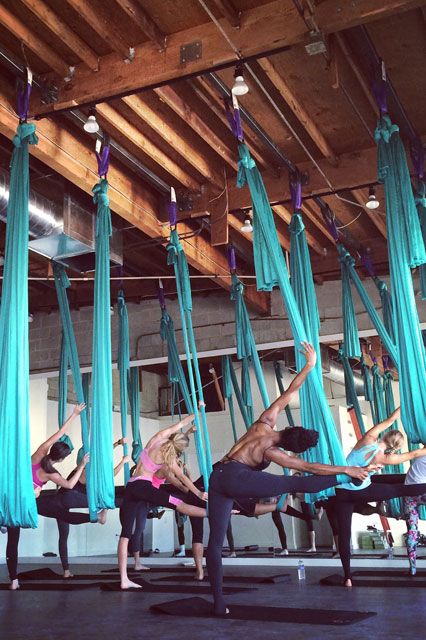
[{"x": 411, "y": 514}]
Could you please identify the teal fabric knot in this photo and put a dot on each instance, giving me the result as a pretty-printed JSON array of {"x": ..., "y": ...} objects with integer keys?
[
  {"x": 100, "y": 193},
  {"x": 25, "y": 134},
  {"x": 100, "y": 198},
  {"x": 61, "y": 275},
  {"x": 420, "y": 197},
  {"x": 237, "y": 290},
  {"x": 245, "y": 163},
  {"x": 385, "y": 129},
  {"x": 171, "y": 253},
  {"x": 296, "y": 225},
  {"x": 345, "y": 257},
  {"x": 382, "y": 286}
]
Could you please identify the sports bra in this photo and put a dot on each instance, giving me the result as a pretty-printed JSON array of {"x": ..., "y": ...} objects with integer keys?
[
  {"x": 359, "y": 458},
  {"x": 36, "y": 480},
  {"x": 151, "y": 467}
]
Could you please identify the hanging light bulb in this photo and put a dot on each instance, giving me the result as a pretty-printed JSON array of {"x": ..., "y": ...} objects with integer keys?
[
  {"x": 30, "y": 317},
  {"x": 91, "y": 124},
  {"x": 111, "y": 310},
  {"x": 247, "y": 226},
  {"x": 240, "y": 87},
  {"x": 372, "y": 202}
]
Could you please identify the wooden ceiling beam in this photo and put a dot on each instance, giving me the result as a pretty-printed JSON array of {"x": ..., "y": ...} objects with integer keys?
[
  {"x": 179, "y": 143},
  {"x": 144, "y": 21},
  {"x": 173, "y": 100},
  {"x": 33, "y": 42},
  {"x": 104, "y": 27},
  {"x": 63, "y": 32},
  {"x": 316, "y": 219},
  {"x": 299, "y": 110},
  {"x": 264, "y": 29},
  {"x": 63, "y": 152},
  {"x": 228, "y": 11},
  {"x": 116, "y": 121}
]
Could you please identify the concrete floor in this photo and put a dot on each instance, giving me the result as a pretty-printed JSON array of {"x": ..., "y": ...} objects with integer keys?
[{"x": 401, "y": 613}]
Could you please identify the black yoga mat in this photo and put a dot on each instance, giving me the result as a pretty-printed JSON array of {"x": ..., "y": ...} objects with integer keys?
[
  {"x": 153, "y": 569},
  {"x": 282, "y": 577},
  {"x": 66, "y": 585},
  {"x": 147, "y": 587},
  {"x": 392, "y": 573},
  {"x": 48, "y": 574},
  {"x": 200, "y": 608},
  {"x": 336, "y": 580}
]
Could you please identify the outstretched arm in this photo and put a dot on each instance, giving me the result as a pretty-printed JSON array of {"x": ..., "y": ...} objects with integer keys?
[
  {"x": 121, "y": 464},
  {"x": 177, "y": 471},
  {"x": 372, "y": 434},
  {"x": 397, "y": 458},
  {"x": 43, "y": 449},
  {"x": 270, "y": 415},
  {"x": 292, "y": 462},
  {"x": 162, "y": 435}
]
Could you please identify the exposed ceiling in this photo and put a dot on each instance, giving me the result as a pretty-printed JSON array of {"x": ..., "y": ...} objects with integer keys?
[{"x": 166, "y": 117}]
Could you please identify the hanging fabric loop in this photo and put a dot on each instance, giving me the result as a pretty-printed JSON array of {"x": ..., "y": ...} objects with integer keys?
[{"x": 123, "y": 369}]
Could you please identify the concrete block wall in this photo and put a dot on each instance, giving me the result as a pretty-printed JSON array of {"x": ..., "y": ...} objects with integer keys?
[{"x": 213, "y": 319}]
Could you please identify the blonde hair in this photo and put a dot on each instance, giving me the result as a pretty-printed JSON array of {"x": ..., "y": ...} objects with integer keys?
[
  {"x": 173, "y": 448},
  {"x": 393, "y": 439}
]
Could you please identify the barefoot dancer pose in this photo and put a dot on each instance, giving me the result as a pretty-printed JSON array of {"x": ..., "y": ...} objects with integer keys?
[
  {"x": 370, "y": 449},
  {"x": 50, "y": 506},
  {"x": 240, "y": 474},
  {"x": 77, "y": 498},
  {"x": 161, "y": 453}
]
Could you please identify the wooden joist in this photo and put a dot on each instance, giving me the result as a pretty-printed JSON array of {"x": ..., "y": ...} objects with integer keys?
[
  {"x": 63, "y": 32},
  {"x": 63, "y": 151},
  {"x": 264, "y": 29},
  {"x": 144, "y": 21}
]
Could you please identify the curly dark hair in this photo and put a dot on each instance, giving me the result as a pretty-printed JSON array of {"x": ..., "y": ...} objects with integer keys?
[{"x": 298, "y": 439}]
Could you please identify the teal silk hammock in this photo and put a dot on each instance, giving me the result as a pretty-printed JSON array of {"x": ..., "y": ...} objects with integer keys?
[
  {"x": 134, "y": 399},
  {"x": 123, "y": 370},
  {"x": 420, "y": 200},
  {"x": 63, "y": 391},
  {"x": 406, "y": 250},
  {"x": 101, "y": 491},
  {"x": 17, "y": 501},
  {"x": 314, "y": 409},
  {"x": 368, "y": 388},
  {"x": 351, "y": 345},
  {"x": 176, "y": 375},
  {"x": 279, "y": 379},
  {"x": 351, "y": 395},
  {"x": 230, "y": 384},
  {"x": 271, "y": 270}
]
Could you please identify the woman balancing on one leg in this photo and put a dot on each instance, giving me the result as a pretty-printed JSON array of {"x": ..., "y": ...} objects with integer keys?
[
  {"x": 161, "y": 454},
  {"x": 370, "y": 449},
  {"x": 77, "y": 498},
  {"x": 416, "y": 474},
  {"x": 43, "y": 471},
  {"x": 240, "y": 474}
]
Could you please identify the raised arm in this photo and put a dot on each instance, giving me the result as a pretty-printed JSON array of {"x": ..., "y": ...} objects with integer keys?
[
  {"x": 292, "y": 462},
  {"x": 164, "y": 434},
  {"x": 270, "y": 415},
  {"x": 372, "y": 434},
  {"x": 43, "y": 449},
  {"x": 398, "y": 458},
  {"x": 121, "y": 441},
  {"x": 72, "y": 481}
]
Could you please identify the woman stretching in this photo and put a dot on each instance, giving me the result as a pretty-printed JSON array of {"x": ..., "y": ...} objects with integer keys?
[
  {"x": 371, "y": 449},
  {"x": 240, "y": 474},
  {"x": 50, "y": 506},
  {"x": 77, "y": 498},
  {"x": 416, "y": 474},
  {"x": 160, "y": 457}
]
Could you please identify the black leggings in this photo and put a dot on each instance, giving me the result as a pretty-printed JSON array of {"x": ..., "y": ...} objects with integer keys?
[
  {"x": 277, "y": 520},
  {"x": 139, "y": 497},
  {"x": 346, "y": 502},
  {"x": 70, "y": 499},
  {"x": 233, "y": 481},
  {"x": 50, "y": 506},
  {"x": 13, "y": 534}
]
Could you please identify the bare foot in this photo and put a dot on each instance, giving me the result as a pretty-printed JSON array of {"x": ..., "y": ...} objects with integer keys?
[
  {"x": 348, "y": 582},
  {"x": 142, "y": 567},
  {"x": 199, "y": 576},
  {"x": 68, "y": 574},
  {"x": 102, "y": 516},
  {"x": 128, "y": 584},
  {"x": 14, "y": 585}
]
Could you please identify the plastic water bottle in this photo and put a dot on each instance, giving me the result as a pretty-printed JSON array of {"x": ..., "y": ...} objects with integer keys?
[{"x": 301, "y": 574}]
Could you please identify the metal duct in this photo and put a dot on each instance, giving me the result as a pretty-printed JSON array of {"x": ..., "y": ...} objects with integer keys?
[
  {"x": 334, "y": 371},
  {"x": 64, "y": 234}
]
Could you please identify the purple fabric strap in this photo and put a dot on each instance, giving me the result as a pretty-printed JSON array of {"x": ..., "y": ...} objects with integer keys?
[
  {"x": 329, "y": 220},
  {"x": 234, "y": 119},
  {"x": 368, "y": 264},
  {"x": 385, "y": 360},
  {"x": 232, "y": 261},
  {"x": 380, "y": 90},
  {"x": 161, "y": 297},
  {"x": 23, "y": 94},
  {"x": 295, "y": 191},
  {"x": 103, "y": 161},
  {"x": 172, "y": 210},
  {"x": 418, "y": 158}
]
